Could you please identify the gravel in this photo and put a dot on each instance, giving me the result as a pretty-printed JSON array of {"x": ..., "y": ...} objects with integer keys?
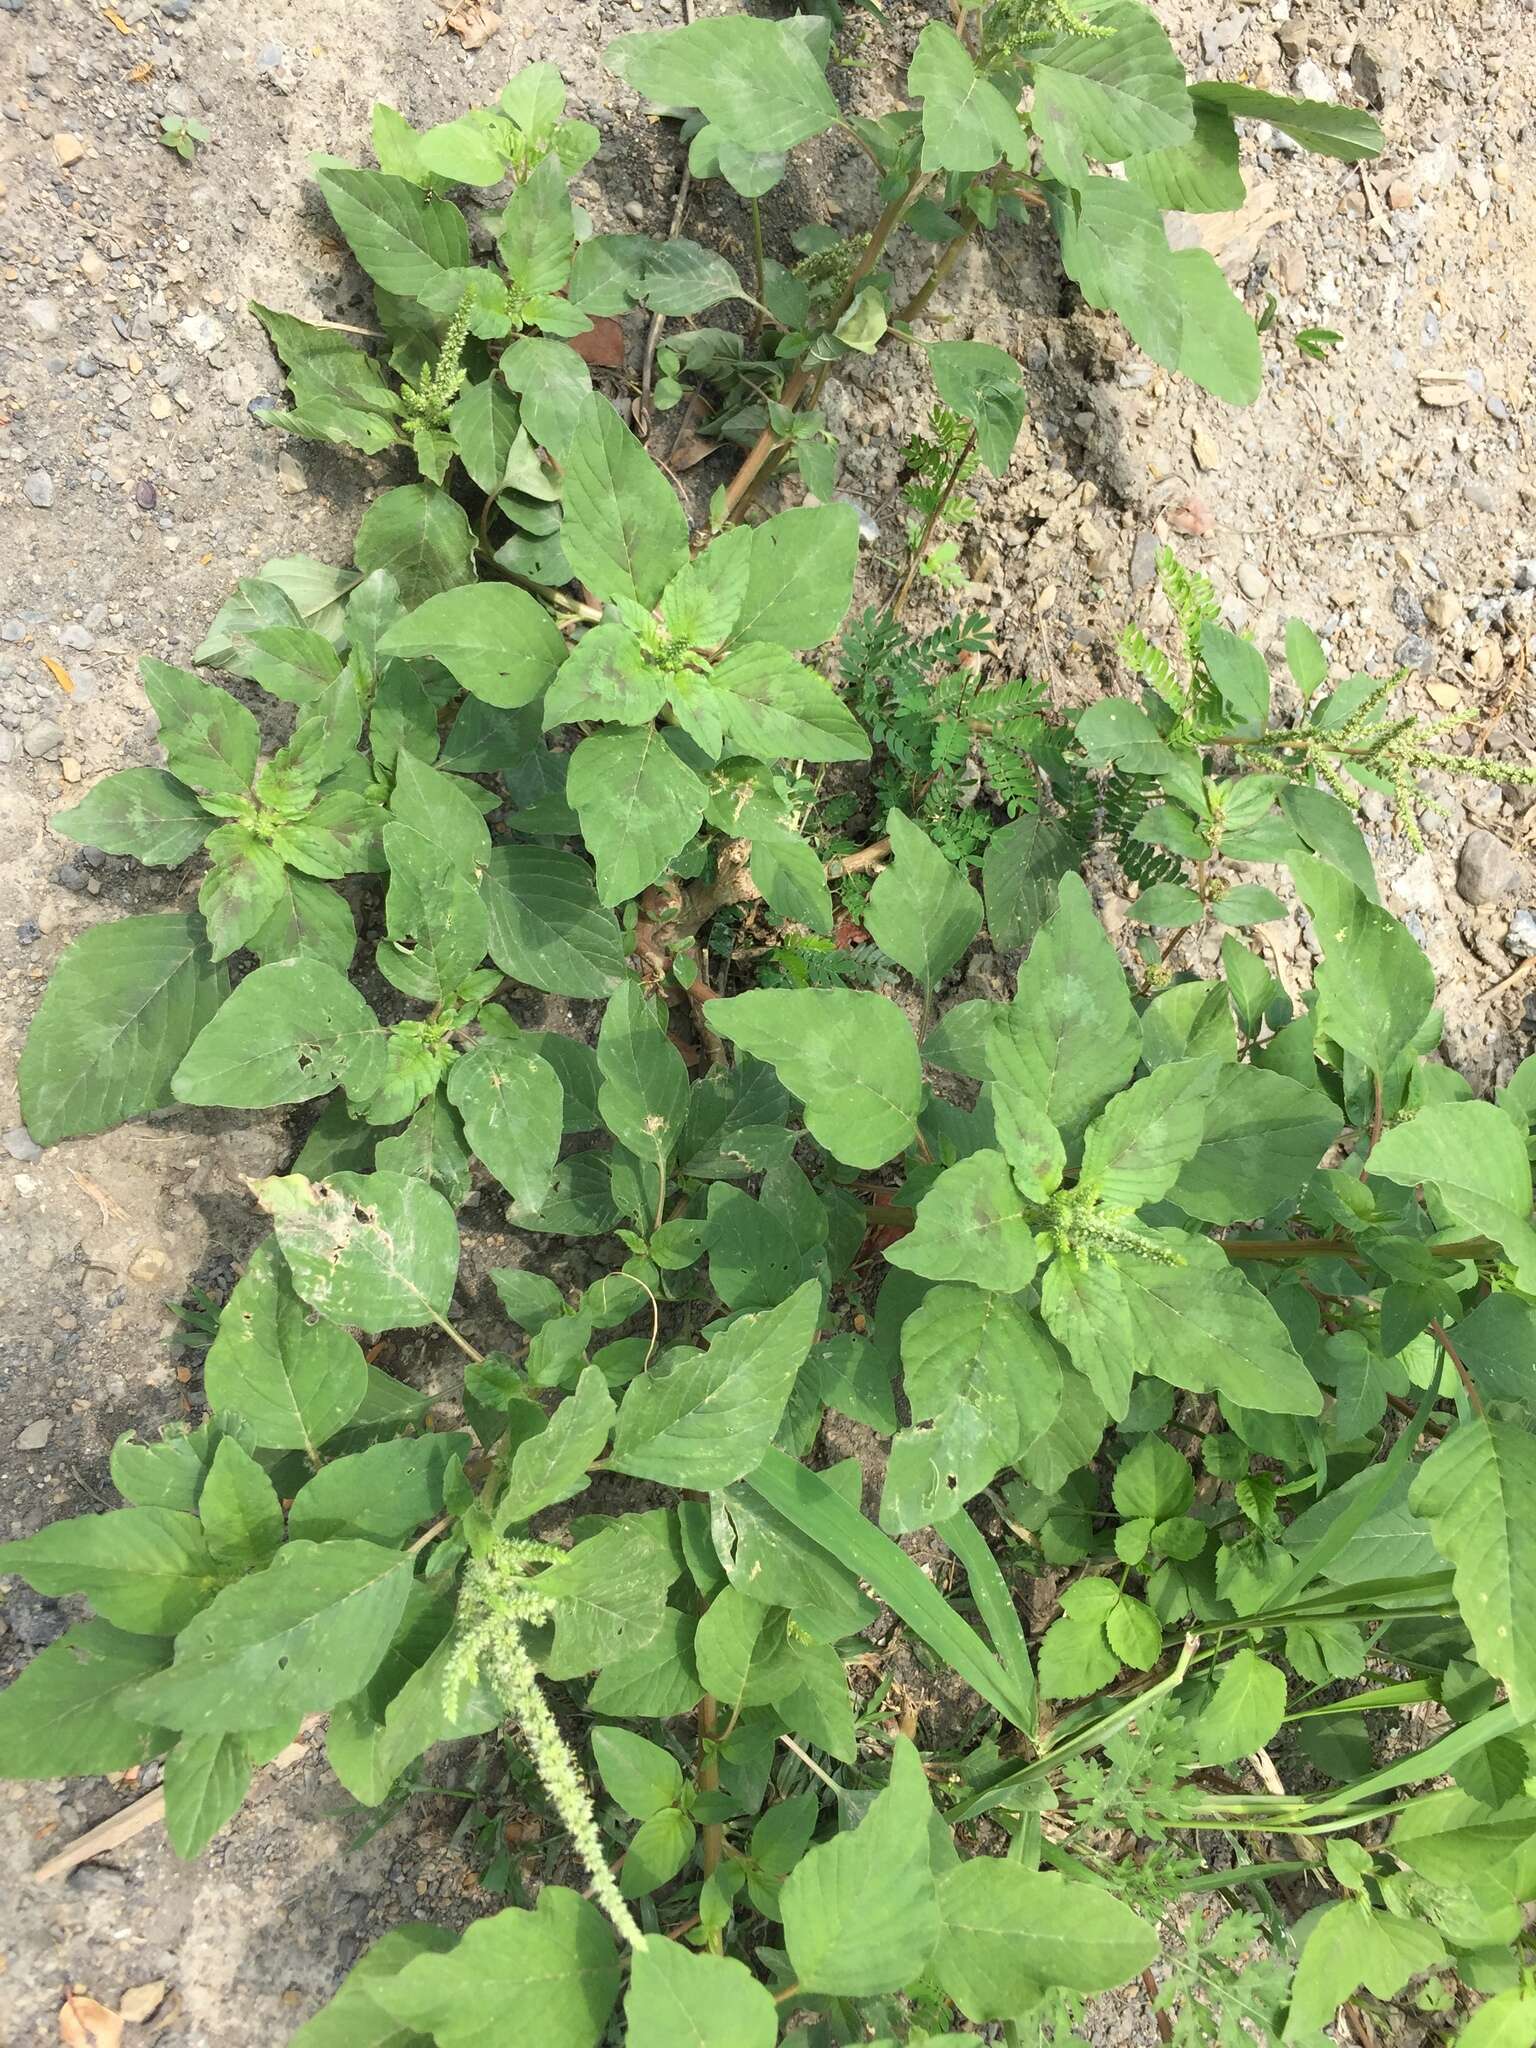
[{"x": 1487, "y": 871}]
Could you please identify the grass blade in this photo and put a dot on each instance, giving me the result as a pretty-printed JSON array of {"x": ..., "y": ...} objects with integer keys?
[{"x": 990, "y": 1592}]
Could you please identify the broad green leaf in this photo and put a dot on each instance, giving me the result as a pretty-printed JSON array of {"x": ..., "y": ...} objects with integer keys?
[
  {"x": 625, "y": 534},
  {"x": 754, "y": 1260},
  {"x": 639, "y": 803},
  {"x": 707, "y": 1420},
  {"x": 293, "y": 1382},
  {"x": 800, "y": 581},
  {"x": 703, "y": 601},
  {"x": 644, "y": 1093},
  {"x": 789, "y": 872},
  {"x": 639, "y": 1775},
  {"x": 1374, "y": 987},
  {"x": 1115, "y": 249},
  {"x": 984, "y": 385},
  {"x": 553, "y": 382},
  {"x": 610, "y": 1597},
  {"x": 609, "y": 676},
  {"x": 437, "y": 929},
  {"x": 125, "y": 1003},
  {"x": 292, "y": 1639},
  {"x": 421, "y": 537},
  {"x": 210, "y": 740},
  {"x": 382, "y": 1495},
  {"x": 1264, "y": 1136},
  {"x": 1008, "y": 1933},
  {"x": 968, "y": 124},
  {"x": 310, "y": 922},
  {"x": 774, "y": 708},
  {"x": 402, "y": 238},
  {"x": 440, "y": 810},
  {"x": 167, "y": 1474},
  {"x": 679, "y": 1999},
  {"x": 287, "y": 1034},
  {"x": 144, "y": 1569},
  {"x": 682, "y": 277},
  {"x": 742, "y": 1651},
  {"x": 973, "y": 1224},
  {"x": 547, "y": 928},
  {"x": 371, "y": 1249},
  {"x": 238, "y": 1507},
  {"x": 241, "y": 890},
  {"x": 1322, "y": 126},
  {"x": 538, "y": 231},
  {"x": 497, "y": 642},
  {"x": 1020, "y": 871},
  {"x": 510, "y": 1101},
  {"x": 1218, "y": 343},
  {"x": 1350, "y": 1944},
  {"x": 656, "y": 1682},
  {"x": 553, "y": 1465},
  {"x": 861, "y": 1912},
  {"x": 67, "y": 1715},
  {"x": 1245, "y": 1710},
  {"x": 1199, "y": 175},
  {"x": 1070, "y": 1037},
  {"x": 556, "y": 1968},
  {"x": 206, "y": 1780},
  {"x": 1475, "y": 1493},
  {"x": 293, "y": 590},
  {"x": 921, "y": 910},
  {"x": 139, "y": 811},
  {"x": 1154, "y": 1482},
  {"x": 1476, "y": 1170},
  {"x": 354, "y": 2018},
  {"x": 1134, "y": 1149},
  {"x": 848, "y": 1055},
  {"x": 1507, "y": 2020},
  {"x": 1109, "y": 96},
  {"x": 754, "y": 80}
]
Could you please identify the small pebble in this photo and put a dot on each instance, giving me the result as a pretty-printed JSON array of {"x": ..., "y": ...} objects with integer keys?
[
  {"x": 1252, "y": 582},
  {"x": 1486, "y": 870},
  {"x": 38, "y": 489},
  {"x": 43, "y": 738},
  {"x": 35, "y": 1436},
  {"x": 20, "y": 1143},
  {"x": 144, "y": 495},
  {"x": 1520, "y": 940}
]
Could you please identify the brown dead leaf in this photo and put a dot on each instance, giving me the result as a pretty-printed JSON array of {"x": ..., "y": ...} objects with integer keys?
[
  {"x": 87, "y": 2023},
  {"x": 689, "y": 445},
  {"x": 1193, "y": 517},
  {"x": 117, "y": 21},
  {"x": 142, "y": 70},
  {"x": 602, "y": 346},
  {"x": 60, "y": 674},
  {"x": 139, "y": 2003},
  {"x": 474, "y": 24}
]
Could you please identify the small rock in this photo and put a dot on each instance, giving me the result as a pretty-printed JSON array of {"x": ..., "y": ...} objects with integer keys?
[
  {"x": 42, "y": 316},
  {"x": 160, "y": 407},
  {"x": 1143, "y": 561},
  {"x": 35, "y": 1437},
  {"x": 1417, "y": 887},
  {"x": 1442, "y": 609},
  {"x": 1252, "y": 581},
  {"x": 1487, "y": 870},
  {"x": 20, "y": 1144},
  {"x": 1377, "y": 72},
  {"x": 290, "y": 477},
  {"x": 1525, "y": 575},
  {"x": 94, "y": 266},
  {"x": 1520, "y": 939},
  {"x": 144, "y": 495},
  {"x": 1445, "y": 696},
  {"x": 1407, "y": 610},
  {"x": 634, "y": 211},
  {"x": 44, "y": 738},
  {"x": 1207, "y": 450},
  {"x": 70, "y": 768},
  {"x": 67, "y": 149},
  {"x": 87, "y": 366},
  {"x": 1415, "y": 652},
  {"x": 70, "y": 877},
  {"x": 1400, "y": 196},
  {"x": 201, "y": 331},
  {"x": 37, "y": 64},
  {"x": 1313, "y": 82},
  {"x": 149, "y": 1266},
  {"x": 37, "y": 1623},
  {"x": 38, "y": 489}
]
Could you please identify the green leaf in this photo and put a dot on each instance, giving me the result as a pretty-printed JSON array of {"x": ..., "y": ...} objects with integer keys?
[
  {"x": 1245, "y": 1710},
  {"x": 402, "y": 238},
  {"x": 848, "y": 1055},
  {"x": 1475, "y": 1493},
  {"x": 210, "y": 741},
  {"x": 1508, "y": 2020},
  {"x": 773, "y": 707},
  {"x": 639, "y": 1775},
  {"x": 372, "y": 1249},
  {"x": 310, "y": 922},
  {"x": 682, "y": 277},
  {"x": 241, "y": 890},
  {"x": 547, "y": 928},
  {"x": 1350, "y": 1944},
  {"x": 639, "y": 804},
  {"x": 292, "y": 1639},
  {"x": 973, "y": 1224},
  {"x": 800, "y": 582},
  {"x": 382, "y": 1495},
  {"x": 1264, "y": 1136},
  {"x": 67, "y": 1715},
  {"x": 291, "y": 1381},
  {"x": 1474, "y": 1164},
  {"x": 555, "y": 1967},
  {"x": 655, "y": 1683},
  {"x": 968, "y": 125},
  {"x": 143, "y": 812},
  {"x": 553, "y": 382},
  {"x": 861, "y": 1912},
  {"x": 1070, "y": 1037},
  {"x": 293, "y": 590},
  {"x": 1304, "y": 657},
  {"x": 287, "y": 1034},
  {"x": 610, "y": 1597},
  {"x": 510, "y": 1101},
  {"x": 1115, "y": 248},
  {"x": 206, "y": 1780},
  {"x": 1153, "y": 1482},
  {"x": 1009, "y": 1932},
  {"x": 553, "y": 1465},
  {"x": 677, "y": 1999},
  {"x": 1237, "y": 669},
  {"x": 238, "y": 1507},
  {"x": 1322, "y": 126},
  {"x": 144, "y": 1569},
  {"x": 644, "y": 1093},
  {"x": 1218, "y": 343},
  {"x": 538, "y": 231},
  {"x": 1020, "y": 871},
  {"x": 707, "y": 1420},
  {"x": 1374, "y": 987},
  {"x": 354, "y": 2018},
  {"x": 1109, "y": 96},
  {"x": 1133, "y": 1633},
  {"x": 1134, "y": 1150},
  {"x": 921, "y": 910},
  {"x": 421, "y": 537},
  {"x": 756, "y": 81},
  {"x": 125, "y": 1003},
  {"x": 983, "y": 384},
  {"x": 497, "y": 642},
  {"x": 1200, "y": 175},
  {"x": 625, "y": 534}
]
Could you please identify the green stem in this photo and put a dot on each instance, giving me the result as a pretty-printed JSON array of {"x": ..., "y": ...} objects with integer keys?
[{"x": 757, "y": 268}]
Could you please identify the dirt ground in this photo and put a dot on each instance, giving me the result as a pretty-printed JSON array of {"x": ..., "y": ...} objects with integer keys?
[{"x": 138, "y": 485}]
